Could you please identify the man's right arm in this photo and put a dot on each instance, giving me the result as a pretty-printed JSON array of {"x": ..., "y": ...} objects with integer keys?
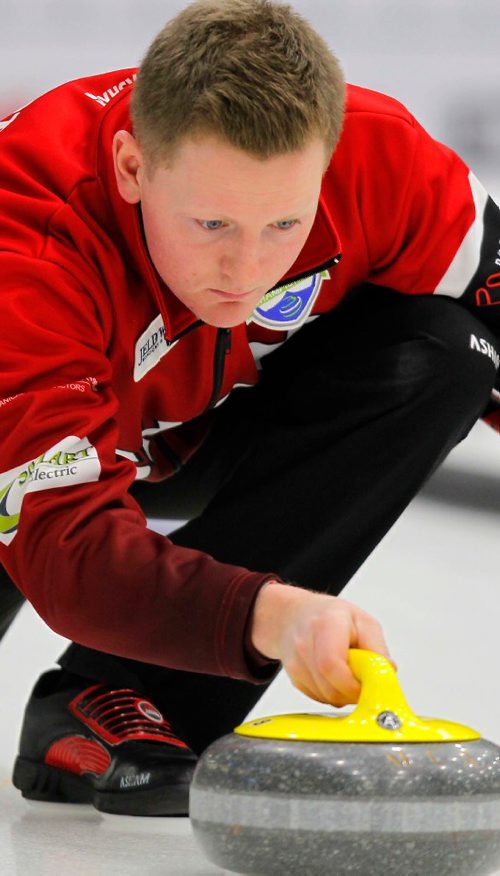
[{"x": 71, "y": 536}]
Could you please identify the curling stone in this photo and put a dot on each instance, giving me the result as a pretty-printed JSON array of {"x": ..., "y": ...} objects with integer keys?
[{"x": 373, "y": 792}]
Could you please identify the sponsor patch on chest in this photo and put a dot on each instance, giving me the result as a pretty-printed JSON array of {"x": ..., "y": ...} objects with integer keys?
[
  {"x": 290, "y": 305},
  {"x": 150, "y": 348}
]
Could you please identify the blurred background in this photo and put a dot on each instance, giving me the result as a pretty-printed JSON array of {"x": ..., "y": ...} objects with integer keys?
[
  {"x": 434, "y": 580},
  {"x": 440, "y": 57}
]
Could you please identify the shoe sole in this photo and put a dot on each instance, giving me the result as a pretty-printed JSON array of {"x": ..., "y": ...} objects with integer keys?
[{"x": 38, "y": 781}]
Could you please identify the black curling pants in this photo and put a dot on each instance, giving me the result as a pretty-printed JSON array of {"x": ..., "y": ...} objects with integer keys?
[{"x": 305, "y": 473}]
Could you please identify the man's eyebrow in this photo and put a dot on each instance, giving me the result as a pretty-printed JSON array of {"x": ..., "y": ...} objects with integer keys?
[{"x": 216, "y": 214}]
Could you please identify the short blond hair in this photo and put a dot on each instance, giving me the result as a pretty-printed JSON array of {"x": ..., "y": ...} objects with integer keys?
[{"x": 252, "y": 72}]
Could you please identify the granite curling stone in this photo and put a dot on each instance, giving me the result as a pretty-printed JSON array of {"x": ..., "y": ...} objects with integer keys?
[{"x": 375, "y": 792}]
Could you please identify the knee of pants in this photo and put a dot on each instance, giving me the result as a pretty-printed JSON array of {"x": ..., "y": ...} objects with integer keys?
[
  {"x": 382, "y": 348},
  {"x": 462, "y": 354}
]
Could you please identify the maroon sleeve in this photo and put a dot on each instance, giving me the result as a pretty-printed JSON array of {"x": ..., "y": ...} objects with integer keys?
[{"x": 71, "y": 536}]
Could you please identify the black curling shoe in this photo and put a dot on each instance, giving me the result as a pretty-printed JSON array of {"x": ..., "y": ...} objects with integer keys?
[{"x": 93, "y": 743}]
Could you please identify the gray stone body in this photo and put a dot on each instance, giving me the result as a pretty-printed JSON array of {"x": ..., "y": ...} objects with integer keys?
[{"x": 270, "y": 806}]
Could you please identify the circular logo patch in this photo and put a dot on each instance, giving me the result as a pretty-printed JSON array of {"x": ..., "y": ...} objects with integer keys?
[
  {"x": 149, "y": 712},
  {"x": 389, "y": 721}
]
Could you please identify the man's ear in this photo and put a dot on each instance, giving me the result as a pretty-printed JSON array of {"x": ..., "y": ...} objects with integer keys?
[{"x": 128, "y": 163}]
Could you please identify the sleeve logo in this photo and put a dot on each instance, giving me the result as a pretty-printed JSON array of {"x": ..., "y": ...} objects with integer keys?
[{"x": 71, "y": 461}]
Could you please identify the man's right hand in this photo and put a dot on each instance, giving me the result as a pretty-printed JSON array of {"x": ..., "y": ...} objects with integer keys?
[{"x": 311, "y": 633}]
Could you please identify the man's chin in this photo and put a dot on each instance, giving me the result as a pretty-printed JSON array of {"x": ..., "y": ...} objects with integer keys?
[{"x": 226, "y": 316}]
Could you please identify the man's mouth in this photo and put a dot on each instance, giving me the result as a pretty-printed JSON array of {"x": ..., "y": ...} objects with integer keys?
[{"x": 234, "y": 296}]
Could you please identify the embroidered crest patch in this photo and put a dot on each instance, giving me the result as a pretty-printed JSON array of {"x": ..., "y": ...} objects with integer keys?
[{"x": 289, "y": 306}]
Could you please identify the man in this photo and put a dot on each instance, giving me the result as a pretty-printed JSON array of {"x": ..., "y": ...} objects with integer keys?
[{"x": 230, "y": 224}]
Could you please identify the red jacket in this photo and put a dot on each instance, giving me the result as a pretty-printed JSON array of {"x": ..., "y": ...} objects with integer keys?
[{"x": 100, "y": 358}]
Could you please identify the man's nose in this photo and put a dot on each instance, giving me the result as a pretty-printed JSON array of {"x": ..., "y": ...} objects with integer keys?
[{"x": 241, "y": 265}]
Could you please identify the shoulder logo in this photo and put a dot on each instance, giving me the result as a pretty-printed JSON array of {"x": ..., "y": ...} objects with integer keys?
[
  {"x": 151, "y": 347},
  {"x": 12, "y": 118},
  {"x": 104, "y": 98},
  {"x": 290, "y": 305},
  {"x": 8, "y": 121}
]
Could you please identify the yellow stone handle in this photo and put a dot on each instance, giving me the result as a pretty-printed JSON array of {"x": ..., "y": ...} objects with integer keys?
[
  {"x": 381, "y": 715},
  {"x": 380, "y": 688}
]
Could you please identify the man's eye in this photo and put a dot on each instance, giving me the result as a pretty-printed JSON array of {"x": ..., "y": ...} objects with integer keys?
[
  {"x": 211, "y": 224},
  {"x": 286, "y": 224},
  {"x": 217, "y": 224}
]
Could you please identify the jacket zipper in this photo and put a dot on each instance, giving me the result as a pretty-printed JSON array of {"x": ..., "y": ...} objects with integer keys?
[
  {"x": 194, "y": 325},
  {"x": 222, "y": 348},
  {"x": 168, "y": 452},
  {"x": 329, "y": 264},
  {"x": 159, "y": 437},
  {"x": 223, "y": 342}
]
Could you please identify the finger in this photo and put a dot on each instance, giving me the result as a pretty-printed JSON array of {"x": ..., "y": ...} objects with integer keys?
[
  {"x": 332, "y": 676},
  {"x": 307, "y": 691},
  {"x": 371, "y": 636},
  {"x": 333, "y": 640},
  {"x": 305, "y": 681},
  {"x": 299, "y": 671}
]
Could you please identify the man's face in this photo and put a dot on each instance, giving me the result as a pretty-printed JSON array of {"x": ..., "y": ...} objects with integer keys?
[{"x": 223, "y": 227}]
